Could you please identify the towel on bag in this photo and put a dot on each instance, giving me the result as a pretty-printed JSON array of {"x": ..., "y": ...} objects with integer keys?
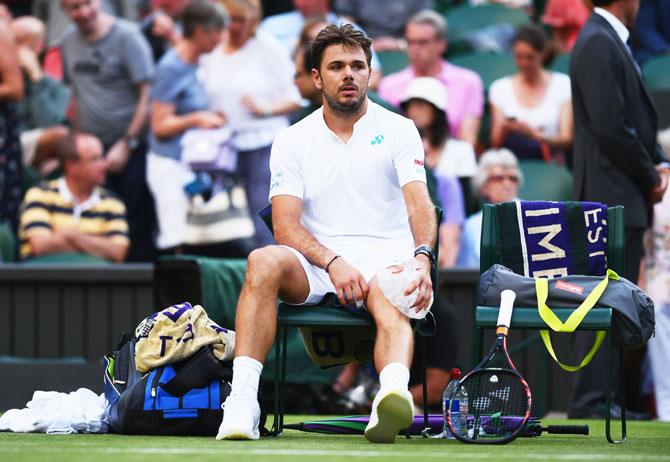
[
  {"x": 553, "y": 239},
  {"x": 178, "y": 332}
]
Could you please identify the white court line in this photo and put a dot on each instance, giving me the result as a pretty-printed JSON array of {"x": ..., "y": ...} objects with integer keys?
[{"x": 226, "y": 450}]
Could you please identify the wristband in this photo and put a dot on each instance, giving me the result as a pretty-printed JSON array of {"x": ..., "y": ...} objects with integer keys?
[
  {"x": 331, "y": 262},
  {"x": 427, "y": 251}
]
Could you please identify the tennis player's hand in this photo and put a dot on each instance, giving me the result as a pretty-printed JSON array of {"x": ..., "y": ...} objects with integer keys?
[
  {"x": 351, "y": 286},
  {"x": 423, "y": 282}
]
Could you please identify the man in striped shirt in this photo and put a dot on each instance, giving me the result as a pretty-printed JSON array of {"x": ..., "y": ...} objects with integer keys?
[{"x": 73, "y": 214}]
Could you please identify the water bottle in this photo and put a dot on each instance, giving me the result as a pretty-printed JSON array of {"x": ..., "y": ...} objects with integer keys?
[{"x": 453, "y": 404}]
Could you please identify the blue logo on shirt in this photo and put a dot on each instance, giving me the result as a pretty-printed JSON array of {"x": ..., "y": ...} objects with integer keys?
[{"x": 377, "y": 140}]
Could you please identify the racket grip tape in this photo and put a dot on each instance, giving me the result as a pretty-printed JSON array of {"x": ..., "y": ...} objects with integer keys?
[
  {"x": 507, "y": 298},
  {"x": 568, "y": 429}
]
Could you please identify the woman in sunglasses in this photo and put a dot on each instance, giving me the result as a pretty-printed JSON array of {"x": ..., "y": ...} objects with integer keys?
[{"x": 497, "y": 180}]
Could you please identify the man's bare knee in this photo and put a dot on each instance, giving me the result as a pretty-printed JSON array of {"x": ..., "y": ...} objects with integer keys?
[{"x": 266, "y": 265}]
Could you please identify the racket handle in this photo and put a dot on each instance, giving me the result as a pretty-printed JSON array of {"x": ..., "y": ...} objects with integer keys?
[
  {"x": 568, "y": 429},
  {"x": 507, "y": 298}
]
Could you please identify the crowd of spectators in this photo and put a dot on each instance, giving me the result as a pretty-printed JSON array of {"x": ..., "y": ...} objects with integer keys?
[{"x": 100, "y": 93}]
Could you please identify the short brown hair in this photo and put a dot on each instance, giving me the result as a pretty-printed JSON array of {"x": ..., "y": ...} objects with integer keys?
[{"x": 345, "y": 35}]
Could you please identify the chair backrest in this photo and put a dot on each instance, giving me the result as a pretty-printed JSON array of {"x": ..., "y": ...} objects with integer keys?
[
  {"x": 7, "y": 243},
  {"x": 490, "y": 254},
  {"x": 464, "y": 20},
  {"x": 490, "y": 66},
  {"x": 393, "y": 61},
  {"x": 561, "y": 63},
  {"x": 656, "y": 72},
  {"x": 546, "y": 182}
]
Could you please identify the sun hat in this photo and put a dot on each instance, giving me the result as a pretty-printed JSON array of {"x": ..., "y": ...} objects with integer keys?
[{"x": 429, "y": 89}]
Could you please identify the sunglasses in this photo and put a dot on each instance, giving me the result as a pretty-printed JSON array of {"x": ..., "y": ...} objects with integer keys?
[{"x": 501, "y": 178}]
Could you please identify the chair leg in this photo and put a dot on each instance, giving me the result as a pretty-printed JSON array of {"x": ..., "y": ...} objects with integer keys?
[
  {"x": 479, "y": 341},
  {"x": 284, "y": 334},
  {"x": 608, "y": 394},
  {"x": 424, "y": 382},
  {"x": 276, "y": 429}
]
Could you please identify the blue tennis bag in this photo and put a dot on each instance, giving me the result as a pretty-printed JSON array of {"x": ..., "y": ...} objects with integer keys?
[{"x": 183, "y": 398}]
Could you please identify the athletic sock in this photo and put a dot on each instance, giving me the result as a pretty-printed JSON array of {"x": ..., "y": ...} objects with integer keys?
[
  {"x": 394, "y": 376},
  {"x": 246, "y": 375}
]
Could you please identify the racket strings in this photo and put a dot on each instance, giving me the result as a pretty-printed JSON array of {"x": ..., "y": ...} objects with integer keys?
[{"x": 496, "y": 407}]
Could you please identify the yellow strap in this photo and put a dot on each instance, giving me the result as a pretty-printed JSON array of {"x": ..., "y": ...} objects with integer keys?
[
  {"x": 600, "y": 336},
  {"x": 573, "y": 321}
]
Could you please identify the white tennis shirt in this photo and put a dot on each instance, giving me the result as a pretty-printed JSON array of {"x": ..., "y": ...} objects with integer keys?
[{"x": 351, "y": 192}]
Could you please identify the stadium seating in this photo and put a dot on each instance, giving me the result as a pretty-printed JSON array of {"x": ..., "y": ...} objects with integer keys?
[
  {"x": 561, "y": 63},
  {"x": 393, "y": 61},
  {"x": 463, "y": 20},
  {"x": 7, "y": 243},
  {"x": 543, "y": 181},
  {"x": 489, "y": 66},
  {"x": 657, "y": 78}
]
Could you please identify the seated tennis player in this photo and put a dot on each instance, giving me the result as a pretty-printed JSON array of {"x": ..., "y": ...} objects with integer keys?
[{"x": 349, "y": 199}]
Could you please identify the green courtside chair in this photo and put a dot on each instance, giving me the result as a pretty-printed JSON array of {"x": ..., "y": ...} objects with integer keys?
[
  {"x": 393, "y": 61},
  {"x": 561, "y": 63},
  {"x": 545, "y": 181},
  {"x": 656, "y": 73},
  {"x": 465, "y": 19},
  {"x": 7, "y": 243},
  {"x": 489, "y": 66},
  {"x": 599, "y": 318},
  {"x": 328, "y": 315}
]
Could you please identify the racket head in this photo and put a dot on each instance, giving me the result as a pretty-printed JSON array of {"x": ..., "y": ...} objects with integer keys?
[{"x": 497, "y": 409}]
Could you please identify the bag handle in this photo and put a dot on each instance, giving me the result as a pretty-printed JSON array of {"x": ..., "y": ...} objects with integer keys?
[
  {"x": 573, "y": 321},
  {"x": 198, "y": 372}
]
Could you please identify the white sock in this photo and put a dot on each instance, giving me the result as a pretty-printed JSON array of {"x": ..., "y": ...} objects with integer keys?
[
  {"x": 394, "y": 375},
  {"x": 246, "y": 375}
]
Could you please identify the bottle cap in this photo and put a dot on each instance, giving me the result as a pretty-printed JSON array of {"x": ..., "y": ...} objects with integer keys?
[{"x": 455, "y": 373}]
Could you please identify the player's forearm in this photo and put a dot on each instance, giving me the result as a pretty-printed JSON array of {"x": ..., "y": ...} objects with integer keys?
[
  {"x": 296, "y": 236},
  {"x": 423, "y": 223}
]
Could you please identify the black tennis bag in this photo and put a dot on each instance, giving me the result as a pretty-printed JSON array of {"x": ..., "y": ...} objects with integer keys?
[
  {"x": 633, "y": 310},
  {"x": 178, "y": 399}
]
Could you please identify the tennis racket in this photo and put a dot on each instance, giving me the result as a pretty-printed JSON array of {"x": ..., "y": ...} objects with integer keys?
[{"x": 494, "y": 401}]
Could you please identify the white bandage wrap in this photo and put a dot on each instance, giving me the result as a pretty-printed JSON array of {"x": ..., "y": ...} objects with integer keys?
[{"x": 393, "y": 286}]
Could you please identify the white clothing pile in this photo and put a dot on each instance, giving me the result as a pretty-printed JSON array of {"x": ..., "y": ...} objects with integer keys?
[{"x": 51, "y": 412}]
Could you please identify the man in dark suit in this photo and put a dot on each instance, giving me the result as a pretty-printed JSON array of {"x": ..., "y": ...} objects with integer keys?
[{"x": 616, "y": 155}]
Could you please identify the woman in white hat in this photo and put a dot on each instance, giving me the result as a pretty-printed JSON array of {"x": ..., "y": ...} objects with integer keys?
[{"x": 451, "y": 160}]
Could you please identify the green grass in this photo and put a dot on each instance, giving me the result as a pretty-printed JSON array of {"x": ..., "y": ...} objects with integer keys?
[{"x": 647, "y": 441}]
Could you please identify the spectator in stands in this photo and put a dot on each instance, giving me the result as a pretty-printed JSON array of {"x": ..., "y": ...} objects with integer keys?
[
  {"x": 566, "y": 18},
  {"x": 652, "y": 29},
  {"x": 531, "y": 111},
  {"x": 11, "y": 91},
  {"x": 426, "y": 36},
  {"x": 108, "y": 63},
  {"x": 179, "y": 102},
  {"x": 161, "y": 28},
  {"x": 249, "y": 77},
  {"x": 449, "y": 160},
  {"x": 74, "y": 214},
  {"x": 522, "y": 4},
  {"x": 303, "y": 81},
  {"x": 497, "y": 180},
  {"x": 383, "y": 20},
  {"x": 42, "y": 111},
  {"x": 288, "y": 26}
]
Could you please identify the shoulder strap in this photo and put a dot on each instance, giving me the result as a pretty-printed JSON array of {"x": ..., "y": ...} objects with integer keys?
[
  {"x": 198, "y": 372},
  {"x": 573, "y": 321}
]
